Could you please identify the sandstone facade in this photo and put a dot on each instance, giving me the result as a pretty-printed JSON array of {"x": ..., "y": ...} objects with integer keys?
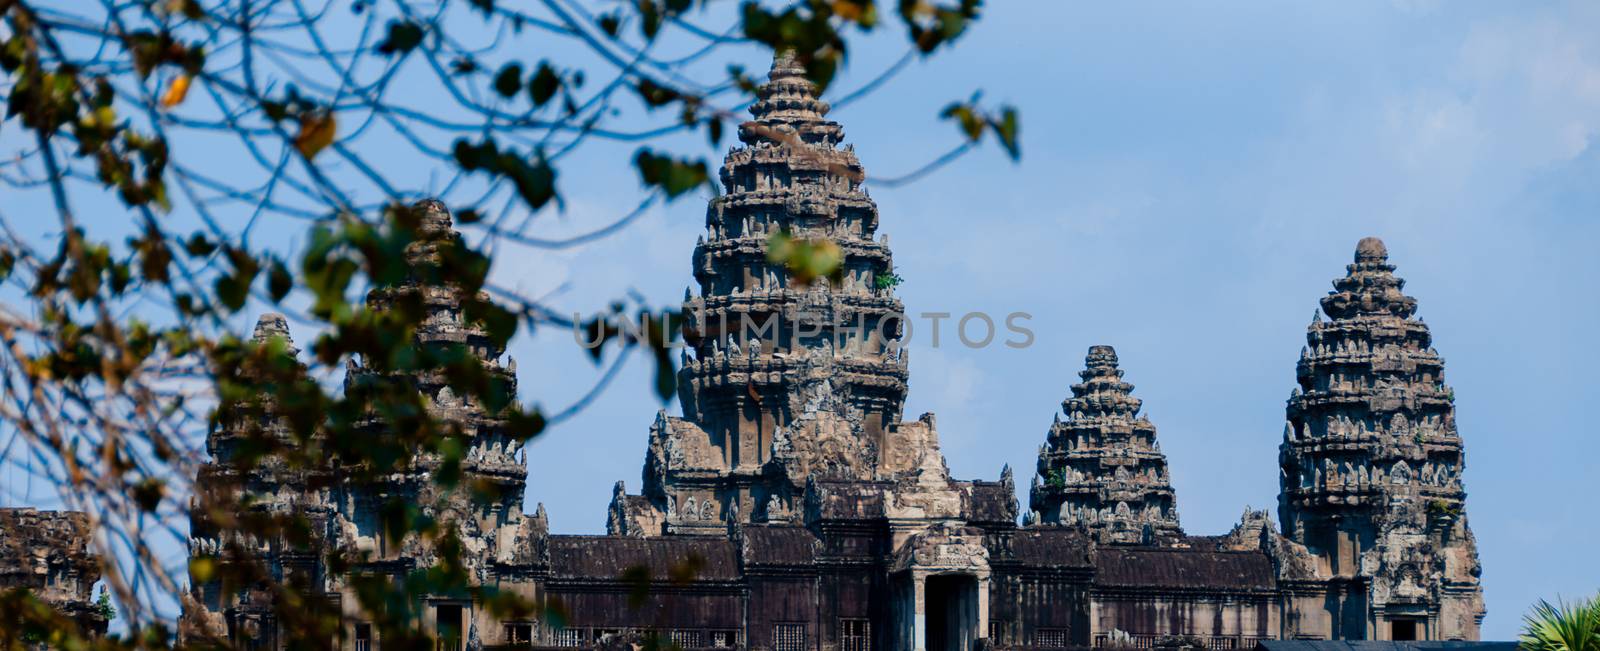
[
  {"x": 793, "y": 508},
  {"x": 49, "y": 554}
]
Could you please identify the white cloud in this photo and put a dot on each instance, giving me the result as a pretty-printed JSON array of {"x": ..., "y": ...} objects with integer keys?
[{"x": 1535, "y": 81}]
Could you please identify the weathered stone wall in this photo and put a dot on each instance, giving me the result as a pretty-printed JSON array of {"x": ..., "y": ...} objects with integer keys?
[{"x": 49, "y": 554}]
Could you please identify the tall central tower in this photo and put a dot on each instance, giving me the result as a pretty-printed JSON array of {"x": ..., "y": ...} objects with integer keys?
[{"x": 789, "y": 378}]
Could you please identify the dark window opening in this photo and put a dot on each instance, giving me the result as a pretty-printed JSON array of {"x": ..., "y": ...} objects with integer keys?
[
  {"x": 363, "y": 637},
  {"x": 571, "y": 637},
  {"x": 519, "y": 633},
  {"x": 447, "y": 621},
  {"x": 254, "y": 634},
  {"x": 855, "y": 635},
  {"x": 789, "y": 637},
  {"x": 952, "y": 612},
  {"x": 1402, "y": 630},
  {"x": 1050, "y": 638},
  {"x": 685, "y": 638}
]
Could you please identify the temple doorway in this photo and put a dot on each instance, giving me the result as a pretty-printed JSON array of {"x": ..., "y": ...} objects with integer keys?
[
  {"x": 1404, "y": 630},
  {"x": 952, "y": 612}
]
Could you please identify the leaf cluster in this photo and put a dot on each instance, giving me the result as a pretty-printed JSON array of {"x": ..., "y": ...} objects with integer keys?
[
  {"x": 1562, "y": 626},
  {"x": 126, "y": 354},
  {"x": 807, "y": 259}
]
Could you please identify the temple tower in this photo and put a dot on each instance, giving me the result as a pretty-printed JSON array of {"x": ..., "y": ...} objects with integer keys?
[
  {"x": 1371, "y": 464},
  {"x": 790, "y": 177},
  {"x": 1101, "y": 469},
  {"x": 248, "y": 466},
  {"x": 485, "y": 504},
  {"x": 790, "y": 378},
  {"x": 342, "y": 504}
]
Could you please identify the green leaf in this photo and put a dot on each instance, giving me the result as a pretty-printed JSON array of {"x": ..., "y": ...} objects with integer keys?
[
  {"x": 279, "y": 282},
  {"x": 656, "y": 95},
  {"x": 198, "y": 246},
  {"x": 148, "y": 494},
  {"x": 673, "y": 176},
  {"x": 967, "y": 118},
  {"x": 666, "y": 374},
  {"x": 806, "y": 259},
  {"x": 1006, "y": 130},
  {"x": 404, "y": 36},
  {"x": 649, "y": 19},
  {"x": 535, "y": 182},
  {"x": 473, "y": 157},
  {"x": 610, "y": 23},
  {"x": 234, "y": 288},
  {"x": 544, "y": 84},
  {"x": 275, "y": 111},
  {"x": 714, "y": 131},
  {"x": 509, "y": 80}
]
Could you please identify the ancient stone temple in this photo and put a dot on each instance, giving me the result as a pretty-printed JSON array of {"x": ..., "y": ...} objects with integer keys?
[
  {"x": 793, "y": 508},
  {"x": 1102, "y": 469},
  {"x": 1372, "y": 462},
  {"x": 502, "y": 542},
  {"x": 48, "y": 553}
]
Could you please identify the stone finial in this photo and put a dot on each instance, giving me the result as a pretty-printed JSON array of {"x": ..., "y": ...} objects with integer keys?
[
  {"x": 435, "y": 217},
  {"x": 1369, "y": 287},
  {"x": 1101, "y": 357},
  {"x": 271, "y": 324},
  {"x": 1371, "y": 249},
  {"x": 788, "y": 107},
  {"x": 784, "y": 64}
]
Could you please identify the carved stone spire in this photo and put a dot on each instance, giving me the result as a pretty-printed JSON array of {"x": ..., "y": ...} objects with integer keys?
[
  {"x": 1371, "y": 460},
  {"x": 443, "y": 329},
  {"x": 1370, "y": 286},
  {"x": 254, "y": 419},
  {"x": 787, "y": 377},
  {"x": 1101, "y": 468},
  {"x": 271, "y": 324},
  {"x": 787, "y": 107},
  {"x": 342, "y": 504}
]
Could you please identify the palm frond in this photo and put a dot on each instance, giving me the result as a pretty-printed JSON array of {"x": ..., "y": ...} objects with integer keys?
[{"x": 1562, "y": 626}]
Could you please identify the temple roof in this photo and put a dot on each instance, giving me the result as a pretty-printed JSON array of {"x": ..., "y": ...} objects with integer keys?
[
  {"x": 1051, "y": 547},
  {"x": 1169, "y": 567},
  {"x": 778, "y": 545},
  {"x": 607, "y": 557}
]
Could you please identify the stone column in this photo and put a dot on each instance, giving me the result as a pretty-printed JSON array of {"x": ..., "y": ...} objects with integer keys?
[
  {"x": 919, "y": 611},
  {"x": 983, "y": 606}
]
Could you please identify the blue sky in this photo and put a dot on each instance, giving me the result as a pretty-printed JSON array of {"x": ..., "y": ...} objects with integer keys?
[{"x": 1193, "y": 176}]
